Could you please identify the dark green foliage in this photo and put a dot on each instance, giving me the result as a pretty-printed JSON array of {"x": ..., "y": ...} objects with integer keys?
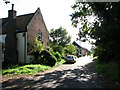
[
  {"x": 58, "y": 56},
  {"x": 36, "y": 54},
  {"x": 110, "y": 69},
  {"x": 105, "y": 29},
  {"x": 51, "y": 51},
  {"x": 38, "y": 46},
  {"x": 58, "y": 48},
  {"x": 47, "y": 58},
  {"x": 59, "y": 37},
  {"x": 70, "y": 49}
]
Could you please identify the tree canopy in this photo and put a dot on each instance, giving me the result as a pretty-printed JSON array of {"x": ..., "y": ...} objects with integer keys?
[
  {"x": 59, "y": 37},
  {"x": 105, "y": 29},
  {"x": 70, "y": 49}
]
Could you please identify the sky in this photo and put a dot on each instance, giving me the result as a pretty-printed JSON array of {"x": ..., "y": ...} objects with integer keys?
[{"x": 55, "y": 13}]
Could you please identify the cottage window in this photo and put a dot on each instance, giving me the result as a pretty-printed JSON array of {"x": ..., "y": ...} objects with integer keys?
[{"x": 39, "y": 35}]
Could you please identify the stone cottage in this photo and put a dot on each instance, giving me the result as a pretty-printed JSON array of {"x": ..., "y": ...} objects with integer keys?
[{"x": 18, "y": 34}]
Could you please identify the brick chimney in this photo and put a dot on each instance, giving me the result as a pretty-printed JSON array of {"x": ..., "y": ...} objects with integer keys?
[
  {"x": 12, "y": 13},
  {"x": 11, "y": 55}
]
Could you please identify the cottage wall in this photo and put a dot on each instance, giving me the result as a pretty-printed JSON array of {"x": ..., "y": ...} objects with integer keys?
[
  {"x": 84, "y": 51},
  {"x": 21, "y": 47},
  {"x": 2, "y": 39},
  {"x": 36, "y": 24}
]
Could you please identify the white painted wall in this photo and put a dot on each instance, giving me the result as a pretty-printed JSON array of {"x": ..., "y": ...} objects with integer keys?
[
  {"x": 20, "y": 47},
  {"x": 29, "y": 58},
  {"x": 2, "y": 39}
]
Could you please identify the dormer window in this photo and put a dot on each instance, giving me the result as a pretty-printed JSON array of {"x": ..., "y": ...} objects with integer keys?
[{"x": 39, "y": 35}]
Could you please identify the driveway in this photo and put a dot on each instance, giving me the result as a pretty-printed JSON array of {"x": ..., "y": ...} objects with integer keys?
[{"x": 78, "y": 75}]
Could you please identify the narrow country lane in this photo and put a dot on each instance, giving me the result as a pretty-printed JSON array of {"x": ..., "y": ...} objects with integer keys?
[{"x": 78, "y": 75}]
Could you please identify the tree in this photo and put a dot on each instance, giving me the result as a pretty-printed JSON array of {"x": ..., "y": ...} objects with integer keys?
[
  {"x": 38, "y": 46},
  {"x": 105, "y": 28},
  {"x": 70, "y": 49},
  {"x": 59, "y": 37},
  {"x": 58, "y": 48}
]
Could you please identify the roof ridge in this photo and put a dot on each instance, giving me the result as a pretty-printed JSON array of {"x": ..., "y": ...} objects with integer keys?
[
  {"x": 19, "y": 15},
  {"x": 25, "y": 14}
]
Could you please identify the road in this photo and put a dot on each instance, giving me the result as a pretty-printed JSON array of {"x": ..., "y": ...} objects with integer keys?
[{"x": 78, "y": 75}]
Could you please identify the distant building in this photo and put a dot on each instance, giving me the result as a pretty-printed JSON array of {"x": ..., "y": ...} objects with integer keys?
[
  {"x": 18, "y": 34},
  {"x": 80, "y": 50}
]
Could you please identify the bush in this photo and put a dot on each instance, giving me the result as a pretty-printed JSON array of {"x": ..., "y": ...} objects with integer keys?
[
  {"x": 36, "y": 54},
  {"x": 110, "y": 69},
  {"x": 58, "y": 56},
  {"x": 70, "y": 49},
  {"x": 51, "y": 51},
  {"x": 38, "y": 46},
  {"x": 58, "y": 48},
  {"x": 46, "y": 58},
  {"x": 60, "y": 62},
  {"x": 75, "y": 57}
]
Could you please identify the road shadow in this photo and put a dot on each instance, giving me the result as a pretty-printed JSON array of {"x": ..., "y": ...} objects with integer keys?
[{"x": 81, "y": 77}]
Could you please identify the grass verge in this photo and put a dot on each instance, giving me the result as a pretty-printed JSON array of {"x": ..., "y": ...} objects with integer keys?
[
  {"x": 60, "y": 62},
  {"x": 25, "y": 69},
  {"x": 110, "y": 69}
]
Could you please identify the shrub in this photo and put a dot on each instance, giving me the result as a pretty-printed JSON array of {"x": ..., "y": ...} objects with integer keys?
[
  {"x": 51, "y": 51},
  {"x": 60, "y": 62},
  {"x": 38, "y": 46},
  {"x": 75, "y": 57},
  {"x": 47, "y": 58},
  {"x": 58, "y": 48},
  {"x": 36, "y": 54},
  {"x": 70, "y": 49},
  {"x": 110, "y": 69},
  {"x": 58, "y": 56}
]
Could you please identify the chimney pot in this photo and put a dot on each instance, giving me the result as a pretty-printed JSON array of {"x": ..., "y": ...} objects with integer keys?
[
  {"x": 12, "y": 6},
  {"x": 12, "y": 13}
]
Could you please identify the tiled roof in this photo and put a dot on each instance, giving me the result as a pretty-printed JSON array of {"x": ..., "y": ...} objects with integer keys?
[
  {"x": 21, "y": 23},
  {"x": 75, "y": 44}
]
